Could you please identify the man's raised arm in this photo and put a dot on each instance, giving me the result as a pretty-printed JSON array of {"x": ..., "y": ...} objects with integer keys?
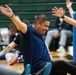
[{"x": 8, "y": 12}]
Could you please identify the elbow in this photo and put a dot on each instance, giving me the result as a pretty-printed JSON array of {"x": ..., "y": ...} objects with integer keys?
[{"x": 23, "y": 28}]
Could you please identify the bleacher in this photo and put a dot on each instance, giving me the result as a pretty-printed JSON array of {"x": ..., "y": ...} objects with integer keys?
[{"x": 27, "y": 9}]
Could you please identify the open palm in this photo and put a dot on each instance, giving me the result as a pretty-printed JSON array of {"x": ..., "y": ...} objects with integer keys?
[
  {"x": 68, "y": 3},
  {"x": 6, "y": 10},
  {"x": 57, "y": 12}
]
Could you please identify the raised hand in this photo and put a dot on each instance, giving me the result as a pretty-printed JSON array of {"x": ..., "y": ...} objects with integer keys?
[
  {"x": 68, "y": 3},
  {"x": 6, "y": 10},
  {"x": 57, "y": 12}
]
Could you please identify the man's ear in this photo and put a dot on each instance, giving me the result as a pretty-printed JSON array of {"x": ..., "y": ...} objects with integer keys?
[{"x": 37, "y": 22}]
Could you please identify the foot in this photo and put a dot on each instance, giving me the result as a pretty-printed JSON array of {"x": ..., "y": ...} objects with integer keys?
[
  {"x": 61, "y": 49},
  {"x": 11, "y": 58}
]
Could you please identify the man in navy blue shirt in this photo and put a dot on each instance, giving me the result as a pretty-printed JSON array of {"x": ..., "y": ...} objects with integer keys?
[{"x": 31, "y": 40}]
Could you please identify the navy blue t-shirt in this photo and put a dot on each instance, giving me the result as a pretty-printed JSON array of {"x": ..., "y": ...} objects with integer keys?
[{"x": 33, "y": 49}]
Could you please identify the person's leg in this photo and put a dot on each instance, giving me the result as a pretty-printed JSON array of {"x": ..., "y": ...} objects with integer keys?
[
  {"x": 6, "y": 71},
  {"x": 63, "y": 67},
  {"x": 2, "y": 57},
  {"x": 63, "y": 73},
  {"x": 63, "y": 36},
  {"x": 49, "y": 36},
  {"x": 72, "y": 62}
]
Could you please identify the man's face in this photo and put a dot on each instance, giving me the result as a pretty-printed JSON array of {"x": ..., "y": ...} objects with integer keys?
[
  {"x": 43, "y": 27},
  {"x": 63, "y": 11}
]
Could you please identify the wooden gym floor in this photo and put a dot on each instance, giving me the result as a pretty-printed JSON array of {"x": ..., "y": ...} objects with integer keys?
[{"x": 19, "y": 66}]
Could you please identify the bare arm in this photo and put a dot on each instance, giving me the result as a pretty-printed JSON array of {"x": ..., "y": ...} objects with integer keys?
[
  {"x": 69, "y": 6},
  {"x": 8, "y": 48},
  {"x": 70, "y": 20},
  {"x": 8, "y": 12},
  {"x": 58, "y": 13},
  {"x": 19, "y": 24}
]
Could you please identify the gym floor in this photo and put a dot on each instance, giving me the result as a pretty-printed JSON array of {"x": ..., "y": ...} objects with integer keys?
[{"x": 19, "y": 66}]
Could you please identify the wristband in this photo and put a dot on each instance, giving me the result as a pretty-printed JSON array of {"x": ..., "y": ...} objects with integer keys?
[
  {"x": 12, "y": 15},
  {"x": 63, "y": 17}
]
